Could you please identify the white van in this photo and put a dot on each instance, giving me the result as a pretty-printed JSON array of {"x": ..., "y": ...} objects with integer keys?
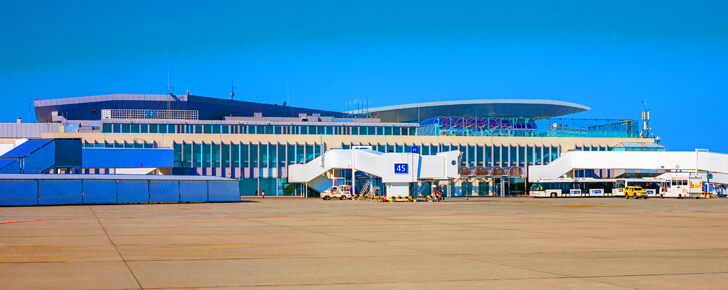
[{"x": 337, "y": 191}]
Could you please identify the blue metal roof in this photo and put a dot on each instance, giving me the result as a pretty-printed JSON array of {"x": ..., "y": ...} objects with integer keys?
[
  {"x": 26, "y": 148},
  {"x": 5, "y": 162}
]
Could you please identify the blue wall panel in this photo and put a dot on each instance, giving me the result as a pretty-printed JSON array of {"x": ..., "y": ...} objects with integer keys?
[
  {"x": 18, "y": 192},
  {"x": 51, "y": 192},
  {"x": 9, "y": 166},
  {"x": 133, "y": 191},
  {"x": 42, "y": 159},
  {"x": 127, "y": 157},
  {"x": 163, "y": 191},
  {"x": 193, "y": 191},
  {"x": 223, "y": 191},
  {"x": 99, "y": 191}
]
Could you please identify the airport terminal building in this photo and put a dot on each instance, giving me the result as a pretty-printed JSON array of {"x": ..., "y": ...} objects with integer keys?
[{"x": 256, "y": 143}]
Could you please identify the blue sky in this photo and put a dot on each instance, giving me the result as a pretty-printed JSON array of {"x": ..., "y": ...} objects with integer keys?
[{"x": 608, "y": 55}]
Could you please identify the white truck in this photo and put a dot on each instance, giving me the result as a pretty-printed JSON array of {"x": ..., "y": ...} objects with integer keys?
[{"x": 337, "y": 191}]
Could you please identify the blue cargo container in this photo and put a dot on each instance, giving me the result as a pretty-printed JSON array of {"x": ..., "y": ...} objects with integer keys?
[
  {"x": 59, "y": 191},
  {"x": 54, "y": 189},
  {"x": 219, "y": 191},
  {"x": 133, "y": 191},
  {"x": 99, "y": 191},
  {"x": 192, "y": 191},
  {"x": 163, "y": 191},
  {"x": 18, "y": 192}
]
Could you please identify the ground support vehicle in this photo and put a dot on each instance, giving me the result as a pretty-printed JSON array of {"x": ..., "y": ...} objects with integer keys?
[{"x": 337, "y": 191}]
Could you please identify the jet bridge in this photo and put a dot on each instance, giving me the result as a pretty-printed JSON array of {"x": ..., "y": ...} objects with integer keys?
[
  {"x": 712, "y": 167},
  {"x": 397, "y": 170}
]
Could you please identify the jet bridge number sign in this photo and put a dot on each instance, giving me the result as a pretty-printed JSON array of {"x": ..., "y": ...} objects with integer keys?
[{"x": 401, "y": 168}]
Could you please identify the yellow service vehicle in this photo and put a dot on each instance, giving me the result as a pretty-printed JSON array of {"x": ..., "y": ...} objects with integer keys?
[{"x": 635, "y": 191}]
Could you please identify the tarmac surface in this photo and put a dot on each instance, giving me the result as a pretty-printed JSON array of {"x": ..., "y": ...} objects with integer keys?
[{"x": 607, "y": 243}]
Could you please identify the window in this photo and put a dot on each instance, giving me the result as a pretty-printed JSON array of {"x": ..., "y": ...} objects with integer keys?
[
  {"x": 472, "y": 160},
  {"x": 153, "y": 128},
  {"x": 263, "y": 149},
  {"x": 196, "y": 155},
  {"x": 273, "y": 155},
  {"x": 186, "y": 155},
  {"x": 235, "y": 155},
  {"x": 380, "y": 130},
  {"x": 513, "y": 158},
  {"x": 388, "y": 131},
  {"x": 177, "y": 154},
  {"x": 398, "y": 149},
  {"x": 425, "y": 150},
  {"x": 254, "y": 157},
  {"x": 497, "y": 156},
  {"x": 291, "y": 153},
  {"x": 309, "y": 153},
  {"x": 217, "y": 154},
  {"x": 282, "y": 155},
  {"x": 106, "y": 128},
  {"x": 479, "y": 156},
  {"x": 206, "y": 155},
  {"x": 371, "y": 130},
  {"x": 300, "y": 155},
  {"x": 521, "y": 155},
  {"x": 245, "y": 155},
  {"x": 225, "y": 129}
]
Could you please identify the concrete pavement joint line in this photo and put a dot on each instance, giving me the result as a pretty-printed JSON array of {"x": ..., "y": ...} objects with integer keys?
[
  {"x": 385, "y": 282},
  {"x": 116, "y": 249}
]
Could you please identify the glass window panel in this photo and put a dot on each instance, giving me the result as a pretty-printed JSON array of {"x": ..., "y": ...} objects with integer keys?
[
  {"x": 388, "y": 131},
  {"x": 216, "y": 155},
  {"x": 263, "y": 148},
  {"x": 235, "y": 155},
  {"x": 513, "y": 156},
  {"x": 396, "y": 131},
  {"x": 254, "y": 155},
  {"x": 433, "y": 150},
  {"x": 196, "y": 155},
  {"x": 144, "y": 128},
  {"x": 390, "y": 149},
  {"x": 300, "y": 155},
  {"x": 479, "y": 156},
  {"x": 309, "y": 153},
  {"x": 273, "y": 155},
  {"x": 497, "y": 155},
  {"x": 521, "y": 156},
  {"x": 317, "y": 150},
  {"x": 106, "y": 128},
  {"x": 125, "y": 128},
  {"x": 371, "y": 130},
  {"x": 281, "y": 155},
  {"x": 206, "y": 155},
  {"x": 153, "y": 128},
  {"x": 380, "y": 131},
  {"x": 225, "y": 129},
  {"x": 425, "y": 150},
  {"x": 291, "y": 153},
  {"x": 186, "y": 155},
  {"x": 245, "y": 155}
]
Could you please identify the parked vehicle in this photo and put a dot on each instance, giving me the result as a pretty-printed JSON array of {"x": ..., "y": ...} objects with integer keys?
[
  {"x": 635, "y": 191},
  {"x": 337, "y": 191}
]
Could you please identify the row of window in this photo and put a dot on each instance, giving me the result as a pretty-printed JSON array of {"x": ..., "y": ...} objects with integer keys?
[
  {"x": 207, "y": 155},
  {"x": 258, "y": 129},
  {"x": 244, "y": 155}
]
